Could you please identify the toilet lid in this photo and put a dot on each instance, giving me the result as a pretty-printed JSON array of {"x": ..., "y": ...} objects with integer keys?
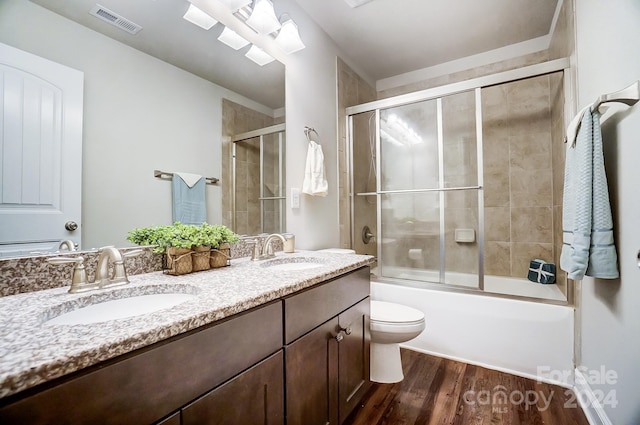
[{"x": 383, "y": 311}]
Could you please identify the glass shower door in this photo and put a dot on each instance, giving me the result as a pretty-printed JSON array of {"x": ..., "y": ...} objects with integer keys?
[
  {"x": 259, "y": 183},
  {"x": 409, "y": 202},
  {"x": 428, "y": 192}
]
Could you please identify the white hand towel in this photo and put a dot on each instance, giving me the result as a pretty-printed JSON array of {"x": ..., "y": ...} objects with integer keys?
[
  {"x": 189, "y": 179},
  {"x": 315, "y": 183}
]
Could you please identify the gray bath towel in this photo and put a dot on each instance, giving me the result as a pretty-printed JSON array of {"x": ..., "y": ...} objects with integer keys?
[
  {"x": 588, "y": 246},
  {"x": 189, "y": 205}
]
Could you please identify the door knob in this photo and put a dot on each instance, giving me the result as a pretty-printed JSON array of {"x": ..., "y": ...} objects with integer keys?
[{"x": 71, "y": 225}]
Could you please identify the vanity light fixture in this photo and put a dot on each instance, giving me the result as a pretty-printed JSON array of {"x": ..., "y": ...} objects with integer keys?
[
  {"x": 235, "y": 4},
  {"x": 199, "y": 18},
  {"x": 259, "y": 56},
  {"x": 289, "y": 38},
  {"x": 232, "y": 39},
  {"x": 263, "y": 18}
]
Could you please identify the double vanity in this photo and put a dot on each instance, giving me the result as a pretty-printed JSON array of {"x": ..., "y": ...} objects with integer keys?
[{"x": 278, "y": 341}]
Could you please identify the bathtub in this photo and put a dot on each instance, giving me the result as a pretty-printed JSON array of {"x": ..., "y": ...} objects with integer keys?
[
  {"x": 495, "y": 284},
  {"x": 524, "y": 338}
]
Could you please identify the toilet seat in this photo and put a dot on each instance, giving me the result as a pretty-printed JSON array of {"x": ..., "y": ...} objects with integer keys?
[{"x": 395, "y": 314}]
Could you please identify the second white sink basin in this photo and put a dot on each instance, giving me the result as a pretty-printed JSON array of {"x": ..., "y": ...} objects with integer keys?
[
  {"x": 120, "y": 308},
  {"x": 293, "y": 263},
  {"x": 295, "y": 266}
]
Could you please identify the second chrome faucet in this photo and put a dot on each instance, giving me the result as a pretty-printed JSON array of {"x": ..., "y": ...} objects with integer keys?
[{"x": 265, "y": 251}]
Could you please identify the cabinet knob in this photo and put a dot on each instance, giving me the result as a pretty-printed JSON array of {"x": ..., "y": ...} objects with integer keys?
[{"x": 341, "y": 334}]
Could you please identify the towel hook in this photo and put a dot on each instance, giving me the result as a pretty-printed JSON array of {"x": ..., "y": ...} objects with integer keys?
[{"x": 308, "y": 131}]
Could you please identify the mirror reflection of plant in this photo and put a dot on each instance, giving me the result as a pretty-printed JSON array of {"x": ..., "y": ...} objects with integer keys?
[{"x": 178, "y": 235}]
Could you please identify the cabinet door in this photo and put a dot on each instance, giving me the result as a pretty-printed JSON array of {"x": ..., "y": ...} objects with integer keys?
[
  {"x": 311, "y": 370},
  {"x": 255, "y": 397},
  {"x": 353, "y": 357}
]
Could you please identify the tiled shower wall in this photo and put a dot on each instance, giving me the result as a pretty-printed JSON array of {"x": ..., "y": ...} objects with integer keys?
[
  {"x": 520, "y": 155},
  {"x": 237, "y": 119}
]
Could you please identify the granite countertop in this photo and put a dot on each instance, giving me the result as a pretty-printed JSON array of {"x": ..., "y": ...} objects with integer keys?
[{"x": 33, "y": 352}]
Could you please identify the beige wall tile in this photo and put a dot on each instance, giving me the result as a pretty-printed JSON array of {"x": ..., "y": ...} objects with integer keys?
[
  {"x": 497, "y": 224},
  {"x": 531, "y": 151},
  {"x": 497, "y": 258},
  {"x": 532, "y": 224},
  {"x": 531, "y": 188},
  {"x": 496, "y": 189}
]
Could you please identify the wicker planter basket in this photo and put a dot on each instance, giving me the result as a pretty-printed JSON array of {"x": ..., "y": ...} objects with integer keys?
[
  {"x": 221, "y": 256},
  {"x": 201, "y": 258},
  {"x": 179, "y": 261}
]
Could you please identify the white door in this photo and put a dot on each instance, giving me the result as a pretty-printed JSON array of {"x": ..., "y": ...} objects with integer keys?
[{"x": 40, "y": 152}]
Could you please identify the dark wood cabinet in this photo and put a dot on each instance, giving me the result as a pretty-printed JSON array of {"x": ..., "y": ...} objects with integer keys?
[
  {"x": 149, "y": 384},
  {"x": 327, "y": 368},
  {"x": 255, "y": 397},
  {"x": 171, "y": 420},
  {"x": 234, "y": 371},
  {"x": 353, "y": 357},
  {"x": 311, "y": 370}
]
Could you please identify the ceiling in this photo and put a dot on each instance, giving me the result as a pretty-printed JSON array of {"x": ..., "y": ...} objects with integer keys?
[
  {"x": 384, "y": 38},
  {"x": 391, "y": 37},
  {"x": 167, "y": 36}
]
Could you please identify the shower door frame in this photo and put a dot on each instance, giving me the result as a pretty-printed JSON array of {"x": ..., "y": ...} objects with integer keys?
[
  {"x": 437, "y": 93},
  {"x": 261, "y": 133}
]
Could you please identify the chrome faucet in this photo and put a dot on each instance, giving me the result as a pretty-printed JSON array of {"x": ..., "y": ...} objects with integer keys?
[
  {"x": 106, "y": 255},
  {"x": 266, "y": 250},
  {"x": 68, "y": 244}
]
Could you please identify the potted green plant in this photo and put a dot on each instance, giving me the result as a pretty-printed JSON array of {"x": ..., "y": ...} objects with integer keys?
[
  {"x": 188, "y": 247},
  {"x": 218, "y": 237}
]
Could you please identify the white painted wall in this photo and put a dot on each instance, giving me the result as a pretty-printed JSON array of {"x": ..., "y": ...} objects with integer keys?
[
  {"x": 311, "y": 99},
  {"x": 608, "y": 33},
  {"x": 140, "y": 114}
]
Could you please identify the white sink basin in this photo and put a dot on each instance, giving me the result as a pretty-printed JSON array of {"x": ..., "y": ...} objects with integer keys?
[
  {"x": 294, "y": 266},
  {"x": 294, "y": 263},
  {"x": 120, "y": 308}
]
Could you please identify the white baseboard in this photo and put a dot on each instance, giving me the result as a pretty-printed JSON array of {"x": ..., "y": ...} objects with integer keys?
[{"x": 590, "y": 404}]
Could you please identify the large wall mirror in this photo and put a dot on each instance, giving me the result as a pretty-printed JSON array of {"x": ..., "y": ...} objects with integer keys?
[{"x": 169, "y": 97}]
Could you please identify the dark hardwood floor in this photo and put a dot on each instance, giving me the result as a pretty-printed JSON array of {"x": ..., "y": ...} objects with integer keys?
[{"x": 441, "y": 391}]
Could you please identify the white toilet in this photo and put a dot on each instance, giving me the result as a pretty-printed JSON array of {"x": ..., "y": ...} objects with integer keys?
[{"x": 391, "y": 324}]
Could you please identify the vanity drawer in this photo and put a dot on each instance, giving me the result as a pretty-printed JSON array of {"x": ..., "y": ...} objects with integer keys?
[
  {"x": 149, "y": 384},
  {"x": 306, "y": 310}
]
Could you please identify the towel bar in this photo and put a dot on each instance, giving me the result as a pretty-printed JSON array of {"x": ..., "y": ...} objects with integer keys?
[
  {"x": 308, "y": 131},
  {"x": 168, "y": 176},
  {"x": 629, "y": 96}
]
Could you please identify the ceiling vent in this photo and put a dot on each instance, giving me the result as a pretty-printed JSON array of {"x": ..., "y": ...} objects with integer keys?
[
  {"x": 114, "y": 19},
  {"x": 356, "y": 3}
]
